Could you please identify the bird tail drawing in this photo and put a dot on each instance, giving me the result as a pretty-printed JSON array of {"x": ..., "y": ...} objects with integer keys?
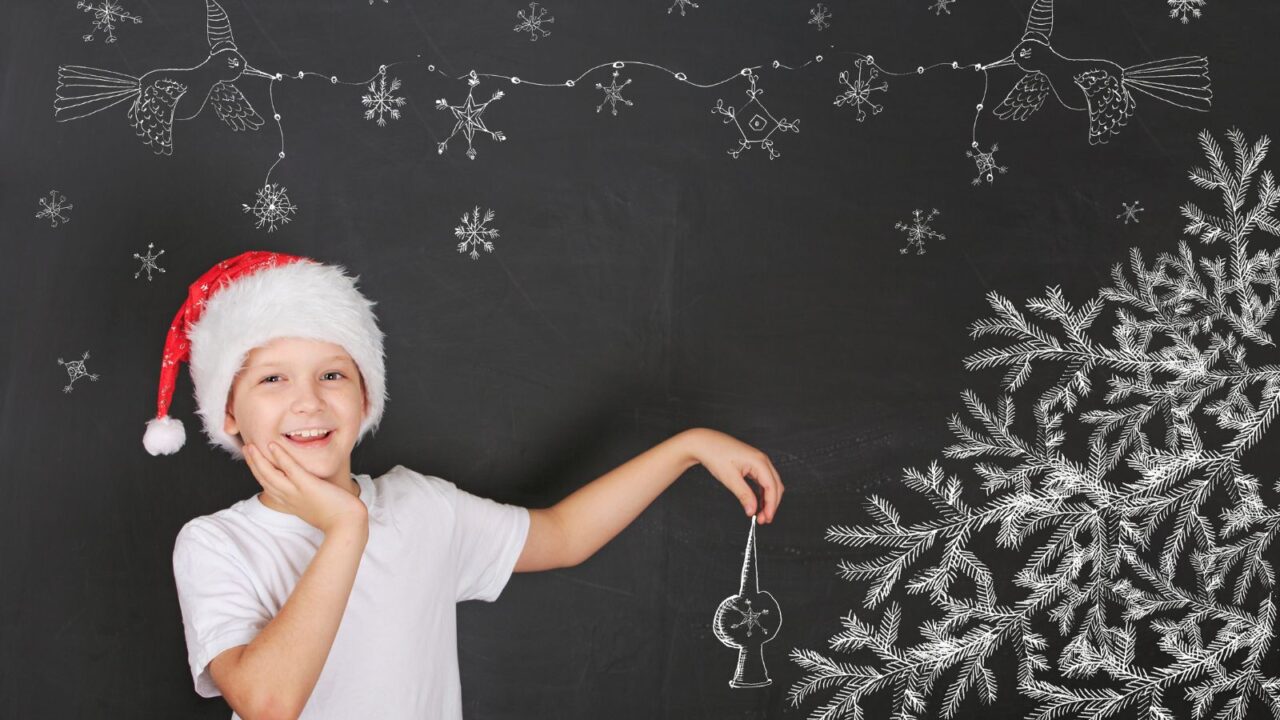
[
  {"x": 83, "y": 91},
  {"x": 1181, "y": 81}
]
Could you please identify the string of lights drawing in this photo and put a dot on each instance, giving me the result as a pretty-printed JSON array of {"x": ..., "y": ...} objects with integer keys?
[
  {"x": 748, "y": 620},
  {"x": 1101, "y": 88}
]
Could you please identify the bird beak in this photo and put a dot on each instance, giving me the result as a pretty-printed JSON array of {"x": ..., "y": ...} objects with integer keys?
[
  {"x": 251, "y": 70},
  {"x": 1003, "y": 62}
]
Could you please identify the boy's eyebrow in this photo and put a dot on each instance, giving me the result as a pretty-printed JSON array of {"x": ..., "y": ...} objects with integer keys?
[{"x": 341, "y": 358}]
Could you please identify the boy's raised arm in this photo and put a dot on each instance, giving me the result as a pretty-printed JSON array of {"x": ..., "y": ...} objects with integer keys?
[
  {"x": 572, "y": 530},
  {"x": 273, "y": 676}
]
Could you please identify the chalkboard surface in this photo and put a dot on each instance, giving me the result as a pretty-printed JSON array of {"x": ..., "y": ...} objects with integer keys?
[{"x": 786, "y": 221}]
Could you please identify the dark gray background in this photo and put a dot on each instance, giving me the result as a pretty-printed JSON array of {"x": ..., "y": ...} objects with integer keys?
[{"x": 644, "y": 282}]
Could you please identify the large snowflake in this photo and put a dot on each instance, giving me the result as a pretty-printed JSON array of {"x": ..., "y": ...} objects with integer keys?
[
  {"x": 271, "y": 206},
  {"x": 942, "y": 5},
  {"x": 760, "y": 125},
  {"x": 613, "y": 94},
  {"x": 919, "y": 230},
  {"x": 1184, "y": 10},
  {"x": 75, "y": 371},
  {"x": 532, "y": 23},
  {"x": 469, "y": 118},
  {"x": 381, "y": 99},
  {"x": 474, "y": 233},
  {"x": 750, "y": 618},
  {"x": 859, "y": 91},
  {"x": 105, "y": 16},
  {"x": 1117, "y": 546},
  {"x": 54, "y": 208}
]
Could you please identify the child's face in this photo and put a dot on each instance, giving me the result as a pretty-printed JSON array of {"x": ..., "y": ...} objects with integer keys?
[{"x": 294, "y": 384}]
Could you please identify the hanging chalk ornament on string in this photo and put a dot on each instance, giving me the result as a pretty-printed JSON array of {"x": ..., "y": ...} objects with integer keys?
[{"x": 747, "y": 621}]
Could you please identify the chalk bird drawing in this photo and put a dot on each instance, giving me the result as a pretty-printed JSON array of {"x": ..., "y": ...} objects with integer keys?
[
  {"x": 163, "y": 95},
  {"x": 1104, "y": 87}
]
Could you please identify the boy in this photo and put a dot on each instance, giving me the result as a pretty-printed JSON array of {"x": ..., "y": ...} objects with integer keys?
[{"x": 333, "y": 595}]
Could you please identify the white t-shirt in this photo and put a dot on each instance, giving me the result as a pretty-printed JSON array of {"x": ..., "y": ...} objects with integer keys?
[{"x": 431, "y": 545}]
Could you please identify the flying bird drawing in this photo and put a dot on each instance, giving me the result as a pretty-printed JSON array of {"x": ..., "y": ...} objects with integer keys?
[
  {"x": 1104, "y": 86},
  {"x": 163, "y": 94}
]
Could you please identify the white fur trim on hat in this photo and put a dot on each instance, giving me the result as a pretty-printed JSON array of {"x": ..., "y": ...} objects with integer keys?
[{"x": 302, "y": 300}]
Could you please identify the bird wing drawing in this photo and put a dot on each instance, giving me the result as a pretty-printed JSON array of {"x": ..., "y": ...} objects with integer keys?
[
  {"x": 1025, "y": 98},
  {"x": 152, "y": 113},
  {"x": 1110, "y": 103},
  {"x": 233, "y": 108}
]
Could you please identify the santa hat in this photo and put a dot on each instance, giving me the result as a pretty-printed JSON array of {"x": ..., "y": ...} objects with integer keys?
[{"x": 245, "y": 302}]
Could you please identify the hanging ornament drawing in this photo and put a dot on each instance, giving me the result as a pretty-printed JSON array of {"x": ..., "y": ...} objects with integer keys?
[{"x": 747, "y": 621}]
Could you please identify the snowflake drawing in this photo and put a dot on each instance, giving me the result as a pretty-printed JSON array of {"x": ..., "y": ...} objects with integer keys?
[
  {"x": 681, "y": 4},
  {"x": 613, "y": 94},
  {"x": 148, "y": 262},
  {"x": 474, "y": 233},
  {"x": 105, "y": 16},
  {"x": 750, "y": 618},
  {"x": 1184, "y": 10},
  {"x": 55, "y": 208},
  {"x": 942, "y": 5},
  {"x": 760, "y": 125},
  {"x": 1130, "y": 212},
  {"x": 919, "y": 230},
  {"x": 859, "y": 91},
  {"x": 1124, "y": 513},
  {"x": 820, "y": 16},
  {"x": 75, "y": 371},
  {"x": 986, "y": 162},
  {"x": 469, "y": 118},
  {"x": 271, "y": 206},
  {"x": 532, "y": 23},
  {"x": 381, "y": 99}
]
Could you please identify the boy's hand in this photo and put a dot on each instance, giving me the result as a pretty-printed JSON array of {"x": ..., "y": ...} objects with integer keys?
[
  {"x": 730, "y": 461},
  {"x": 291, "y": 486}
]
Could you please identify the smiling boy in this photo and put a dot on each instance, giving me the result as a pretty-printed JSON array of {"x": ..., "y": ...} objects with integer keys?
[{"x": 332, "y": 594}]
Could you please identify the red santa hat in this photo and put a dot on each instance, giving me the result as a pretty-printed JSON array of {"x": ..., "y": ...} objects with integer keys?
[{"x": 245, "y": 302}]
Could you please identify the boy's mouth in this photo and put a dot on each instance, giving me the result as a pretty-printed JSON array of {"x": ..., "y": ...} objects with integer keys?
[{"x": 307, "y": 441}]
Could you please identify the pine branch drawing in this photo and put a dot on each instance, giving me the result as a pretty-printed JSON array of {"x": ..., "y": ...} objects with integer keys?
[{"x": 1135, "y": 526}]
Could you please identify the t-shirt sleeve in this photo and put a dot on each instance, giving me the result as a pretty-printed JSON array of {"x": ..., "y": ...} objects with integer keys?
[
  {"x": 220, "y": 608},
  {"x": 487, "y": 539}
]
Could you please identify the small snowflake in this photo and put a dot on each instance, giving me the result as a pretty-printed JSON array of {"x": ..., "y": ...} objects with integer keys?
[
  {"x": 820, "y": 16},
  {"x": 380, "y": 101},
  {"x": 750, "y": 618},
  {"x": 75, "y": 371},
  {"x": 613, "y": 94},
  {"x": 532, "y": 23},
  {"x": 986, "y": 163},
  {"x": 469, "y": 118},
  {"x": 918, "y": 230},
  {"x": 1184, "y": 10},
  {"x": 55, "y": 208},
  {"x": 474, "y": 234},
  {"x": 105, "y": 15},
  {"x": 1130, "y": 211},
  {"x": 681, "y": 4},
  {"x": 148, "y": 262},
  {"x": 859, "y": 92},
  {"x": 760, "y": 125},
  {"x": 271, "y": 206},
  {"x": 941, "y": 5}
]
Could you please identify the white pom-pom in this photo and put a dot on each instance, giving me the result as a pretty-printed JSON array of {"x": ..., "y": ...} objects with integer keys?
[{"x": 164, "y": 436}]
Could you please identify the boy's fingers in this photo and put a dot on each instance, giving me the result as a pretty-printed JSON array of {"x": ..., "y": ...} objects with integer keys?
[
  {"x": 264, "y": 470},
  {"x": 288, "y": 466}
]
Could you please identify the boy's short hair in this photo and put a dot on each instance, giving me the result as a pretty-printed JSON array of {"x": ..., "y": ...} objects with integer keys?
[{"x": 245, "y": 302}]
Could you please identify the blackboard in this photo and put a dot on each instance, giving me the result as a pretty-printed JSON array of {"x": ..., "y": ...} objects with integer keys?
[{"x": 645, "y": 280}]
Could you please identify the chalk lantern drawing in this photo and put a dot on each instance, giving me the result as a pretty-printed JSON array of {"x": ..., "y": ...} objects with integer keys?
[{"x": 747, "y": 621}]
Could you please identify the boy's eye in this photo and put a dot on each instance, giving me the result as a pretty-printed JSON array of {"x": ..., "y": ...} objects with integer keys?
[{"x": 331, "y": 372}]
